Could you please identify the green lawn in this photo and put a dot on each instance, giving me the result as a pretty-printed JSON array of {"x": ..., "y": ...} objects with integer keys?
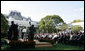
[
  {"x": 60, "y": 47},
  {"x": 55, "y": 47}
]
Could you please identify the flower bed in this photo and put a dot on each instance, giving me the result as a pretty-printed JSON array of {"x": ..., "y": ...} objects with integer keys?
[{"x": 22, "y": 44}]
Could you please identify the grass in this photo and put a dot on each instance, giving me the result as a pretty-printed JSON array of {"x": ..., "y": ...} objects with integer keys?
[
  {"x": 61, "y": 47},
  {"x": 58, "y": 46},
  {"x": 5, "y": 47},
  {"x": 68, "y": 47}
]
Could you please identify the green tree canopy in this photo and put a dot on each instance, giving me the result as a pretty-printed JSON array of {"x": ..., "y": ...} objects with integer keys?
[
  {"x": 49, "y": 23},
  {"x": 64, "y": 27},
  {"x": 4, "y": 24},
  {"x": 76, "y": 28}
]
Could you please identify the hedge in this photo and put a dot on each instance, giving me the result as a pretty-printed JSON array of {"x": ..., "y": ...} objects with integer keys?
[{"x": 20, "y": 44}]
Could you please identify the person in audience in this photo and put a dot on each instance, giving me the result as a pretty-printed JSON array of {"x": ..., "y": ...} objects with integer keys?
[
  {"x": 61, "y": 38},
  {"x": 80, "y": 39},
  {"x": 71, "y": 38},
  {"x": 64, "y": 38},
  {"x": 67, "y": 38}
]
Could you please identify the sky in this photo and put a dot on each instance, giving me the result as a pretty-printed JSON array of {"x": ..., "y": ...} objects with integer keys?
[{"x": 36, "y": 10}]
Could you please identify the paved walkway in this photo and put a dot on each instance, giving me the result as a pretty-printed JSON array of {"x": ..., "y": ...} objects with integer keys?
[{"x": 42, "y": 44}]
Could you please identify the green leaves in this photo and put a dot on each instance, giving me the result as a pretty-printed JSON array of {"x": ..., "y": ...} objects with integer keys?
[
  {"x": 49, "y": 23},
  {"x": 76, "y": 28},
  {"x": 64, "y": 26},
  {"x": 4, "y": 24}
]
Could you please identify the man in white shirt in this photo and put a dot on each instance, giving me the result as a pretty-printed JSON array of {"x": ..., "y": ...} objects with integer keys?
[{"x": 23, "y": 32}]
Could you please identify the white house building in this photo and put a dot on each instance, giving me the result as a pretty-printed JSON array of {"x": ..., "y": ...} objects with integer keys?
[{"x": 20, "y": 20}]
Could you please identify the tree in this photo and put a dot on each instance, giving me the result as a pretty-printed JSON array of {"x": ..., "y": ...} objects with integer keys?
[
  {"x": 49, "y": 23},
  {"x": 63, "y": 27},
  {"x": 76, "y": 28},
  {"x": 4, "y": 24}
]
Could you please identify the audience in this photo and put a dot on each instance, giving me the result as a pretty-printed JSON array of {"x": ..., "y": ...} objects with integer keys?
[{"x": 72, "y": 38}]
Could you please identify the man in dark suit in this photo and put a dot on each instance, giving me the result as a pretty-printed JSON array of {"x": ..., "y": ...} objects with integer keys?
[
  {"x": 16, "y": 32},
  {"x": 13, "y": 31},
  {"x": 31, "y": 32},
  {"x": 10, "y": 34}
]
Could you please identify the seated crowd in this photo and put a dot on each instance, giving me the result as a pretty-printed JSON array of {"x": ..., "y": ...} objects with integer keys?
[{"x": 73, "y": 38}]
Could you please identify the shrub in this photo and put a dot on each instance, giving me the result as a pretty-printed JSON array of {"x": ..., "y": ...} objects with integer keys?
[
  {"x": 20, "y": 44},
  {"x": 3, "y": 35},
  {"x": 4, "y": 24}
]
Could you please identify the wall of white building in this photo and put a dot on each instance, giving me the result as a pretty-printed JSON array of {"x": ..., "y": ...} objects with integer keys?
[{"x": 21, "y": 22}]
